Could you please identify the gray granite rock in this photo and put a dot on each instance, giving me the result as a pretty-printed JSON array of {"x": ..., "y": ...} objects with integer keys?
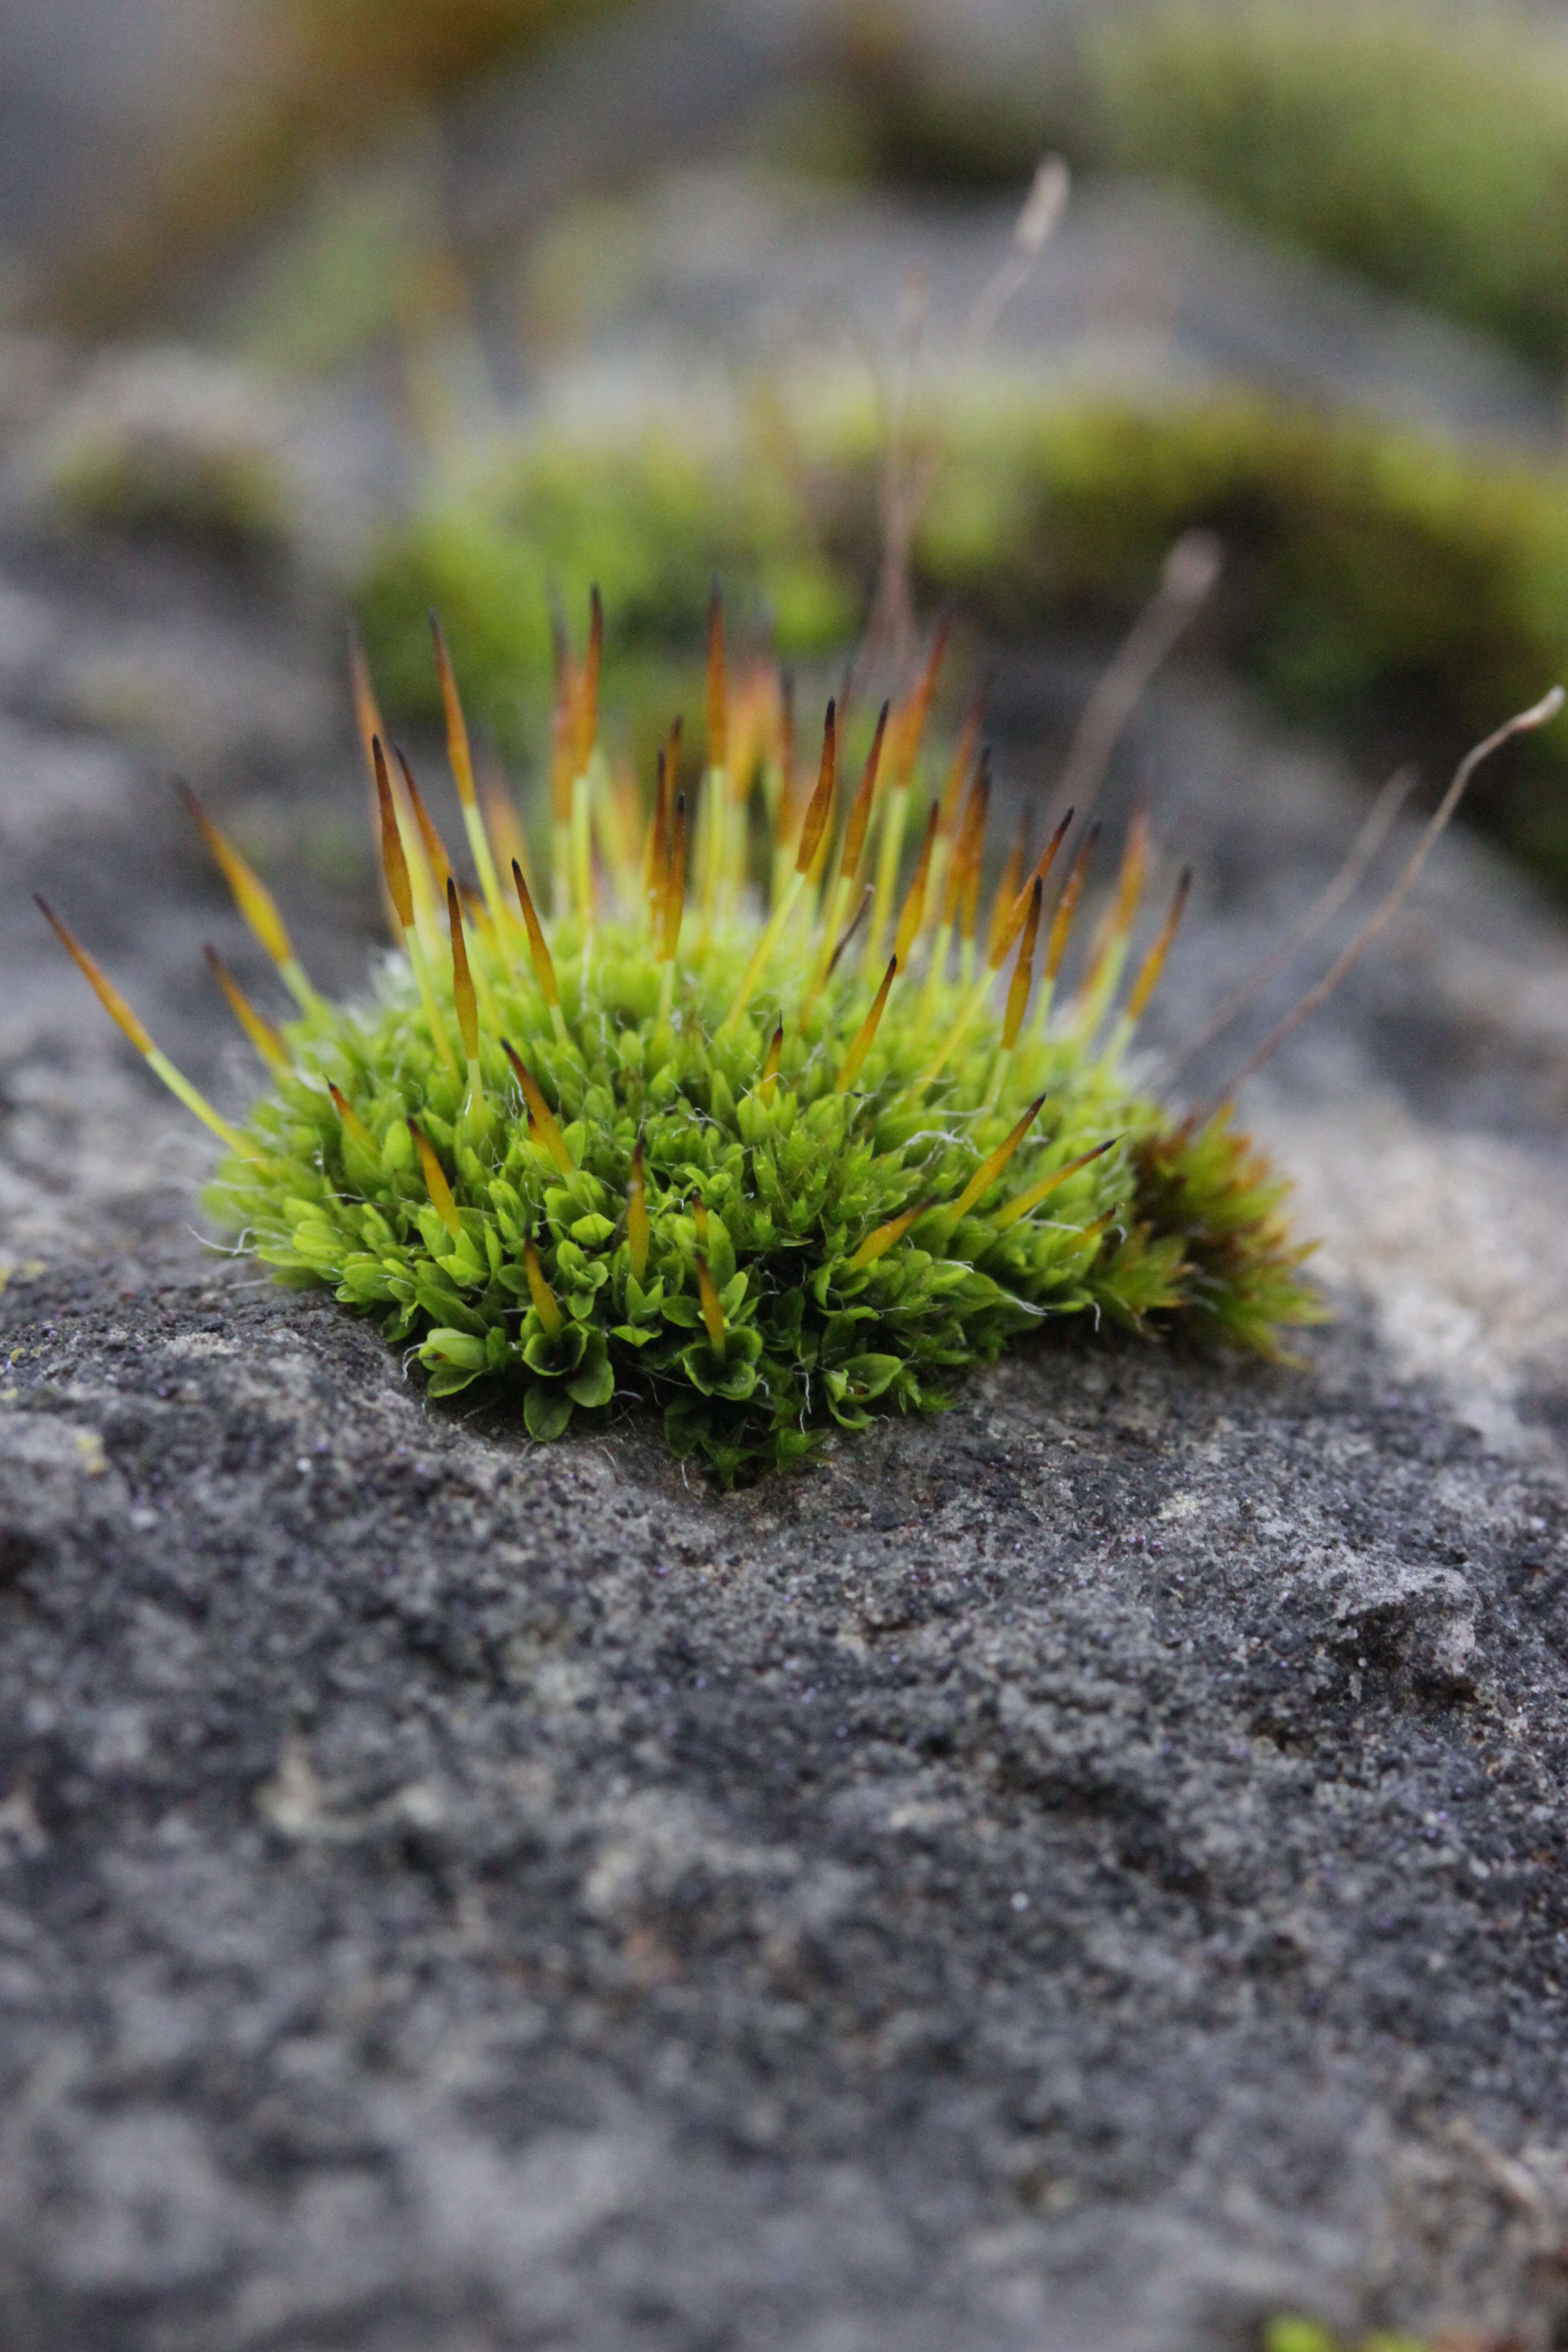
[{"x": 1085, "y": 1869}]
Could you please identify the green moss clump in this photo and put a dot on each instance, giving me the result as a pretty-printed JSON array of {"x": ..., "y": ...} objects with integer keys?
[
  {"x": 789, "y": 1179},
  {"x": 1425, "y": 149},
  {"x": 706, "y": 1160}
]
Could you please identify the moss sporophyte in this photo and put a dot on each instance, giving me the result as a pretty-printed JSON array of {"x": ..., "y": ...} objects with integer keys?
[{"x": 772, "y": 1167}]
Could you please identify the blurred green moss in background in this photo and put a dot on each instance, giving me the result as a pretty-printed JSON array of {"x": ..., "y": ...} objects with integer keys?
[
  {"x": 1291, "y": 2333},
  {"x": 1396, "y": 586},
  {"x": 649, "y": 522},
  {"x": 1425, "y": 147},
  {"x": 1389, "y": 583}
]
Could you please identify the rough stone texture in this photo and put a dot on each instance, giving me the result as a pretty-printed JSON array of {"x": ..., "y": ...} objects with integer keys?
[{"x": 1088, "y": 1869}]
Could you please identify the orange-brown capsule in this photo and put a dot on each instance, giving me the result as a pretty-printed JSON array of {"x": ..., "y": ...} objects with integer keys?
[
  {"x": 712, "y": 1312},
  {"x": 546, "y": 1306},
  {"x": 965, "y": 864},
  {"x": 263, "y": 1034},
  {"x": 658, "y": 854},
  {"x": 969, "y": 900},
  {"x": 860, "y": 807},
  {"x": 120, "y": 1013},
  {"x": 501, "y": 819},
  {"x": 773, "y": 1058},
  {"x": 1129, "y": 880},
  {"x": 368, "y": 724},
  {"x": 460, "y": 759},
  {"x": 251, "y": 895},
  {"x": 462, "y": 978},
  {"x": 543, "y": 1117},
  {"x": 1024, "y": 969},
  {"x": 562, "y": 747},
  {"x": 866, "y": 1035},
  {"x": 353, "y": 1124},
  {"x": 991, "y": 1166},
  {"x": 538, "y": 947},
  {"x": 457, "y": 751},
  {"x": 434, "y": 848},
  {"x": 1006, "y": 893},
  {"x": 962, "y": 761},
  {"x": 395, "y": 863},
  {"x": 674, "y": 883},
  {"x": 1044, "y": 1186},
  {"x": 367, "y": 713},
  {"x": 1108, "y": 943},
  {"x": 638, "y": 1232},
  {"x": 1067, "y": 904},
  {"x": 587, "y": 733},
  {"x": 877, "y": 1245},
  {"x": 819, "y": 807},
  {"x": 436, "y": 1184},
  {"x": 913, "y": 718},
  {"x": 1014, "y": 922},
  {"x": 98, "y": 980},
  {"x": 1154, "y": 961},
  {"x": 913, "y": 915}
]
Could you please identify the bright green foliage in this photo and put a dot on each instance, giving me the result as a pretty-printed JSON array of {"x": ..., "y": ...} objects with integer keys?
[
  {"x": 794, "y": 1177},
  {"x": 758, "y": 1288},
  {"x": 1291, "y": 2333}
]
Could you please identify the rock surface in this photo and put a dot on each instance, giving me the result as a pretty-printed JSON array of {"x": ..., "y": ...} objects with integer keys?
[{"x": 1087, "y": 1869}]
